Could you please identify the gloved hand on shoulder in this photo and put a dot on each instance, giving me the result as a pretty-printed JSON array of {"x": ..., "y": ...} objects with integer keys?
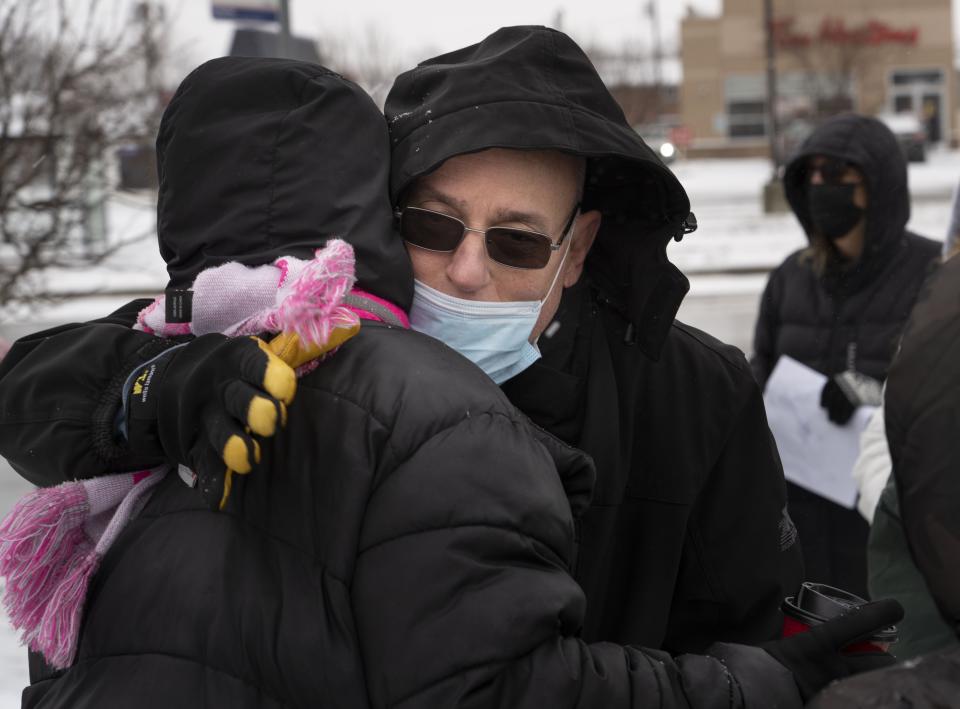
[
  {"x": 844, "y": 393},
  {"x": 817, "y": 657},
  {"x": 202, "y": 404}
]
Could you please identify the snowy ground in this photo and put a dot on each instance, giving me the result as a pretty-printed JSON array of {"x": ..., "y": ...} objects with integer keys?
[
  {"x": 726, "y": 260},
  {"x": 13, "y": 658},
  {"x": 735, "y": 235}
]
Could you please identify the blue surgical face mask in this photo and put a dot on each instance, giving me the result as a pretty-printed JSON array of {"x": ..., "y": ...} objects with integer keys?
[{"x": 495, "y": 336}]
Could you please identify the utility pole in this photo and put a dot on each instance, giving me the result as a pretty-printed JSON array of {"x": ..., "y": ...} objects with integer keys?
[
  {"x": 657, "y": 56},
  {"x": 774, "y": 199},
  {"x": 773, "y": 127},
  {"x": 285, "y": 48},
  {"x": 657, "y": 48},
  {"x": 146, "y": 13}
]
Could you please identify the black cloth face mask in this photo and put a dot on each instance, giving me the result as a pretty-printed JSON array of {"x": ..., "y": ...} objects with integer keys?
[{"x": 832, "y": 209}]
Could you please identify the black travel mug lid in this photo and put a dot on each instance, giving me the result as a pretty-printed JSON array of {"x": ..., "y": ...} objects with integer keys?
[{"x": 817, "y": 603}]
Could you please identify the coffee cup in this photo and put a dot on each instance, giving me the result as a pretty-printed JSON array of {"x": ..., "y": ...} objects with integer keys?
[{"x": 816, "y": 603}]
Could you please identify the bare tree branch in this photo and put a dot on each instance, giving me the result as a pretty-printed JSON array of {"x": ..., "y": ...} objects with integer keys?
[
  {"x": 368, "y": 58},
  {"x": 72, "y": 91}
]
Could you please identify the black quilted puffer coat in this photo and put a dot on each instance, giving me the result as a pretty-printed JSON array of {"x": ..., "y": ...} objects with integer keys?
[{"x": 844, "y": 318}]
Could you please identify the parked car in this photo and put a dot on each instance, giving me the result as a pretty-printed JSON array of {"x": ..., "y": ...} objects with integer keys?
[
  {"x": 910, "y": 133},
  {"x": 657, "y": 136}
]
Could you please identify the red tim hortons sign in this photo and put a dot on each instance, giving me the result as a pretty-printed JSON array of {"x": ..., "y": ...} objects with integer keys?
[{"x": 833, "y": 30}]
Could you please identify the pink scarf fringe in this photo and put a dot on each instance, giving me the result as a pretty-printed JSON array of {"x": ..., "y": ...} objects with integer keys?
[{"x": 50, "y": 547}]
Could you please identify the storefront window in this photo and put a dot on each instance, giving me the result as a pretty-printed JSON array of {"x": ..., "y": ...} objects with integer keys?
[
  {"x": 903, "y": 77},
  {"x": 747, "y": 119}
]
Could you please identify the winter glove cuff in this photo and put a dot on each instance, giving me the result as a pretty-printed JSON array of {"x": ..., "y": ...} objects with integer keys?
[
  {"x": 108, "y": 425},
  {"x": 761, "y": 680},
  {"x": 202, "y": 405}
]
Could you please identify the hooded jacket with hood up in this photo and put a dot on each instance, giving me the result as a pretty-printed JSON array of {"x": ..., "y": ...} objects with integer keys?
[
  {"x": 922, "y": 406},
  {"x": 686, "y": 540},
  {"x": 852, "y": 317},
  {"x": 844, "y": 318},
  {"x": 410, "y": 541}
]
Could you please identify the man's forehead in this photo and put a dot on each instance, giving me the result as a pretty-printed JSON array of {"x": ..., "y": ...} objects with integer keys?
[
  {"x": 507, "y": 211},
  {"x": 549, "y": 167}
]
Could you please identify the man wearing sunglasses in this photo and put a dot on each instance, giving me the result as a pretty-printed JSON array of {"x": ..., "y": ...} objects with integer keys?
[
  {"x": 536, "y": 221},
  {"x": 490, "y": 292},
  {"x": 839, "y": 305}
]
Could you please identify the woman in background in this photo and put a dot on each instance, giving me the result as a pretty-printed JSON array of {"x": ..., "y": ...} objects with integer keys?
[{"x": 839, "y": 305}]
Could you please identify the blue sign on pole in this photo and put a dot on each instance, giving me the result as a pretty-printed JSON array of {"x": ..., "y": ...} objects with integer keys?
[{"x": 260, "y": 10}]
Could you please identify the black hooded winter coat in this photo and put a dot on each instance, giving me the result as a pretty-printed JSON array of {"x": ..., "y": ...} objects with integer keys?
[
  {"x": 686, "y": 540},
  {"x": 847, "y": 318},
  {"x": 922, "y": 408},
  {"x": 410, "y": 541},
  {"x": 844, "y": 318}
]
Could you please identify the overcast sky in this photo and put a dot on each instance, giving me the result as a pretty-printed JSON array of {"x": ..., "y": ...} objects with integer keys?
[
  {"x": 412, "y": 30},
  {"x": 416, "y": 29}
]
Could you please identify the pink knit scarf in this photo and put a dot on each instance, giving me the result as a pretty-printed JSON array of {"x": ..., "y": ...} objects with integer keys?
[{"x": 53, "y": 540}]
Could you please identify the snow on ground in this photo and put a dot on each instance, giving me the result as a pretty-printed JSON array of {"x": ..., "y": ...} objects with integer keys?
[
  {"x": 13, "y": 657},
  {"x": 734, "y": 233},
  {"x": 734, "y": 236}
]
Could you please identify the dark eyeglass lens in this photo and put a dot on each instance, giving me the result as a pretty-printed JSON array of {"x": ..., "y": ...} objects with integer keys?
[
  {"x": 430, "y": 230},
  {"x": 517, "y": 248}
]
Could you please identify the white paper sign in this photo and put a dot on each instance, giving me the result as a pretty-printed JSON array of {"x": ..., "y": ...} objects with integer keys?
[{"x": 817, "y": 455}]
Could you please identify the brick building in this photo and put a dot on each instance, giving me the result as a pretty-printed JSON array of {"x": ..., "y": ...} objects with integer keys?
[{"x": 872, "y": 56}]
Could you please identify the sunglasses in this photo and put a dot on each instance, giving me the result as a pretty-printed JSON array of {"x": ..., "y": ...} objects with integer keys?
[
  {"x": 832, "y": 171},
  {"x": 516, "y": 248}
]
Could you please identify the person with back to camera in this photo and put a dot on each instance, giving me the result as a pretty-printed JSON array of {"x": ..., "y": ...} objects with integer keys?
[
  {"x": 893, "y": 573},
  {"x": 921, "y": 540},
  {"x": 453, "y": 586},
  {"x": 838, "y": 306}
]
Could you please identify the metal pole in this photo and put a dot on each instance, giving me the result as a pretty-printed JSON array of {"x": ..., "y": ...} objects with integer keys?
[
  {"x": 772, "y": 124},
  {"x": 657, "y": 56},
  {"x": 657, "y": 48},
  {"x": 285, "y": 43}
]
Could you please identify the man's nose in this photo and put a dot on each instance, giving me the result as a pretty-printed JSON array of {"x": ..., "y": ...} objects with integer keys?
[
  {"x": 468, "y": 269},
  {"x": 815, "y": 177}
]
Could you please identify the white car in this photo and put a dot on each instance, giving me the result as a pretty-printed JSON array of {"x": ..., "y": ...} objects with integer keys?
[
  {"x": 658, "y": 138},
  {"x": 910, "y": 133}
]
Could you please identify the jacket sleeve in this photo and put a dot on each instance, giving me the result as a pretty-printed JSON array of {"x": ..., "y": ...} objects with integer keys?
[
  {"x": 764, "y": 355},
  {"x": 929, "y": 492},
  {"x": 463, "y": 598},
  {"x": 60, "y": 393},
  {"x": 872, "y": 468},
  {"x": 751, "y": 559}
]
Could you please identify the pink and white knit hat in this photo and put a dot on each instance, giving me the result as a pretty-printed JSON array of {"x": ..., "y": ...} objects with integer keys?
[{"x": 289, "y": 295}]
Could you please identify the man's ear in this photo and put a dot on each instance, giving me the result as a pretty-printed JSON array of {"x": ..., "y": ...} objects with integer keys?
[{"x": 588, "y": 224}]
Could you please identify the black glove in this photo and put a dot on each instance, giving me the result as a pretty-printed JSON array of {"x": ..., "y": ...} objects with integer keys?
[
  {"x": 199, "y": 404},
  {"x": 815, "y": 657},
  {"x": 847, "y": 391}
]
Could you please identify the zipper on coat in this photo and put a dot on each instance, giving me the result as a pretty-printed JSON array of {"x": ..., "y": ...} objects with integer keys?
[
  {"x": 577, "y": 534},
  {"x": 828, "y": 359},
  {"x": 852, "y": 356}
]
